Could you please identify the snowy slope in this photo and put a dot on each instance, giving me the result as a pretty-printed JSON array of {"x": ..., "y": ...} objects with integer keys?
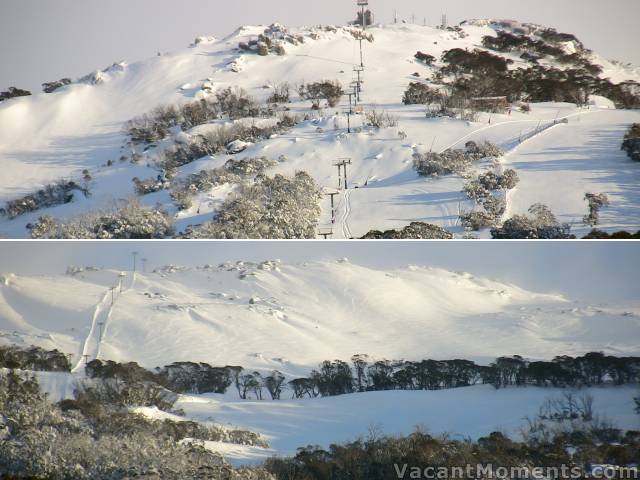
[
  {"x": 469, "y": 412},
  {"x": 50, "y": 136},
  {"x": 291, "y": 317}
]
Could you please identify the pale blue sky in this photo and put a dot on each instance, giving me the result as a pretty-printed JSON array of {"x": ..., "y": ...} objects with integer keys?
[
  {"x": 592, "y": 271},
  {"x": 44, "y": 40}
]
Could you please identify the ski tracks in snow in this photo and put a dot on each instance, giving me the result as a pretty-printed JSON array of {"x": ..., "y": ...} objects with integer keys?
[
  {"x": 101, "y": 315},
  {"x": 346, "y": 231}
]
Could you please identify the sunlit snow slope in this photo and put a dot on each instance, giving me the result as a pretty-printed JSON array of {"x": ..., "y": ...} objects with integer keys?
[
  {"x": 291, "y": 317},
  {"x": 46, "y": 137}
]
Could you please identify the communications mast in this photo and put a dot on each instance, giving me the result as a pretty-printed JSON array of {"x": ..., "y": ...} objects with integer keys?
[{"x": 362, "y": 4}]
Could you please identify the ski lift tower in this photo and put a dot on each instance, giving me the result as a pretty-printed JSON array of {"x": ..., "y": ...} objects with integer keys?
[{"x": 362, "y": 4}]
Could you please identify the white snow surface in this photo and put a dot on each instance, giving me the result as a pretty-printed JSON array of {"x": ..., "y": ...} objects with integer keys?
[
  {"x": 46, "y": 137},
  {"x": 292, "y": 316}
]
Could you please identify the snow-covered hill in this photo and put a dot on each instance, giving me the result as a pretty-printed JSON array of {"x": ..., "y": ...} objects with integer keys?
[
  {"x": 291, "y": 317},
  {"x": 47, "y": 137}
]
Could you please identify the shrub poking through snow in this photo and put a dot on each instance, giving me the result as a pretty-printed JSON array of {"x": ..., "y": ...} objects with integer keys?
[
  {"x": 420, "y": 94},
  {"x": 281, "y": 93},
  {"x": 232, "y": 103},
  {"x": 425, "y": 58},
  {"x": 487, "y": 182},
  {"x": 51, "y": 195},
  {"x": 13, "y": 92},
  {"x": 438, "y": 164},
  {"x": 234, "y": 171},
  {"x": 596, "y": 201},
  {"x": 541, "y": 223},
  {"x": 415, "y": 230},
  {"x": 492, "y": 210},
  {"x": 230, "y": 139},
  {"x": 453, "y": 161},
  {"x": 51, "y": 87},
  {"x": 483, "y": 150},
  {"x": 150, "y": 185},
  {"x": 33, "y": 358},
  {"x": 477, "y": 220},
  {"x": 631, "y": 143},
  {"x": 381, "y": 119},
  {"x": 329, "y": 90},
  {"x": 130, "y": 222},
  {"x": 271, "y": 207}
]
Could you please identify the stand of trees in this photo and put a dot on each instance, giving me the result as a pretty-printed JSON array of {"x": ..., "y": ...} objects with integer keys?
[
  {"x": 338, "y": 377},
  {"x": 481, "y": 74},
  {"x": 420, "y": 455},
  {"x": 92, "y": 438},
  {"x": 363, "y": 374}
]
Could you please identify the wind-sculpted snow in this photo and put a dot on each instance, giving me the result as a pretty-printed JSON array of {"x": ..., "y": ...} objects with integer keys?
[{"x": 291, "y": 317}]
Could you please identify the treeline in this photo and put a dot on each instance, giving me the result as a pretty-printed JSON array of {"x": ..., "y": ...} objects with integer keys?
[
  {"x": 364, "y": 375},
  {"x": 338, "y": 377}
]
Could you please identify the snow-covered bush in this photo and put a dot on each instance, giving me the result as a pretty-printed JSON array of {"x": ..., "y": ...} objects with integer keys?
[
  {"x": 439, "y": 164},
  {"x": 420, "y": 94},
  {"x": 482, "y": 186},
  {"x": 232, "y": 103},
  {"x": 415, "y": 230},
  {"x": 381, "y": 119},
  {"x": 50, "y": 195},
  {"x": 33, "y": 358},
  {"x": 41, "y": 440},
  {"x": 329, "y": 90},
  {"x": 477, "y": 220},
  {"x": 150, "y": 185},
  {"x": 51, "y": 87},
  {"x": 13, "y": 92},
  {"x": 492, "y": 209},
  {"x": 232, "y": 139},
  {"x": 280, "y": 94},
  {"x": 631, "y": 143},
  {"x": 154, "y": 126},
  {"x": 237, "y": 103},
  {"x": 271, "y": 207},
  {"x": 596, "y": 202},
  {"x": 425, "y": 58},
  {"x": 541, "y": 223},
  {"x": 233, "y": 171},
  {"x": 129, "y": 222},
  {"x": 485, "y": 149}
]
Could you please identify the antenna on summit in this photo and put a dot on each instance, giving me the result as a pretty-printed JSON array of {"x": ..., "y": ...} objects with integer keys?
[{"x": 362, "y": 4}]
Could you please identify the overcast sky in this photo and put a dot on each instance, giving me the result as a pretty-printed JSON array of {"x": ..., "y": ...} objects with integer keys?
[
  {"x": 44, "y": 40},
  {"x": 592, "y": 271}
]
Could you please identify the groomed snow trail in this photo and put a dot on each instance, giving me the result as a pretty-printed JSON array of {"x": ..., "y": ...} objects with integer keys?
[
  {"x": 583, "y": 156},
  {"x": 101, "y": 315}
]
